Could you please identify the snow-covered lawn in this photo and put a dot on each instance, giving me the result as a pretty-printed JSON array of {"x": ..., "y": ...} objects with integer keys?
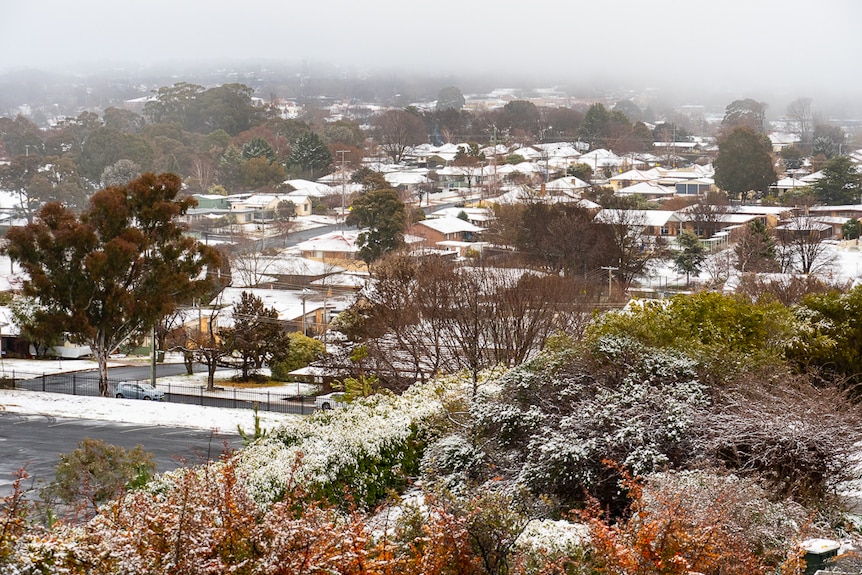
[{"x": 136, "y": 411}]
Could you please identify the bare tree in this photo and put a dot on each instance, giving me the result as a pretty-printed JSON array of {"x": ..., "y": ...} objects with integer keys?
[
  {"x": 634, "y": 250},
  {"x": 801, "y": 247},
  {"x": 200, "y": 342},
  {"x": 784, "y": 432},
  {"x": 203, "y": 172},
  {"x": 799, "y": 112},
  {"x": 399, "y": 130},
  {"x": 708, "y": 215},
  {"x": 250, "y": 264}
]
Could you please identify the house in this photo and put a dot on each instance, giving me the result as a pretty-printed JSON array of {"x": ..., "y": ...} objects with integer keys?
[
  {"x": 481, "y": 217},
  {"x": 436, "y": 230},
  {"x": 785, "y": 185},
  {"x": 409, "y": 182},
  {"x": 632, "y": 177},
  {"x": 568, "y": 186},
  {"x": 337, "y": 245},
  {"x": 308, "y": 311},
  {"x": 652, "y": 191},
  {"x": 659, "y": 223},
  {"x": 696, "y": 187}
]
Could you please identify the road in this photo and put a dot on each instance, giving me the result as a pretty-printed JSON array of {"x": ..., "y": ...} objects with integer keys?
[{"x": 37, "y": 441}]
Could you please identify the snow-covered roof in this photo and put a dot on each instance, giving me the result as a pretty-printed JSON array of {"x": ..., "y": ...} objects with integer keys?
[
  {"x": 637, "y": 176},
  {"x": 473, "y": 214},
  {"x": 569, "y": 183},
  {"x": 315, "y": 189},
  {"x": 636, "y": 217},
  {"x": 339, "y": 241},
  {"x": 646, "y": 189},
  {"x": 406, "y": 178},
  {"x": 450, "y": 225},
  {"x": 789, "y": 183}
]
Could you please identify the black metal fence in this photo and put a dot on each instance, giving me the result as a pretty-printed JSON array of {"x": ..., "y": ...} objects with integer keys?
[{"x": 87, "y": 384}]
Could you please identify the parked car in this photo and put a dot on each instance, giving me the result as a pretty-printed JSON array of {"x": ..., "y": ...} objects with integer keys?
[
  {"x": 137, "y": 390},
  {"x": 330, "y": 400}
]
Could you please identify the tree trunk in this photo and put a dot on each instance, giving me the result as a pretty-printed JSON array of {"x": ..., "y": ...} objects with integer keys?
[
  {"x": 101, "y": 353},
  {"x": 211, "y": 369}
]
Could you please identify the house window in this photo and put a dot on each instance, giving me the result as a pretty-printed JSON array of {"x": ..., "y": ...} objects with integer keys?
[
  {"x": 665, "y": 231},
  {"x": 698, "y": 232}
]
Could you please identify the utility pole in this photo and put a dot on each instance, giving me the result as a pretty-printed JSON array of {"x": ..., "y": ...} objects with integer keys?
[
  {"x": 611, "y": 271},
  {"x": 343, "y": 186}
]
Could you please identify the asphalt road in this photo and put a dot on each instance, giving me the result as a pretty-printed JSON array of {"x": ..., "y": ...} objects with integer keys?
[{"x": 37, "y": 441}]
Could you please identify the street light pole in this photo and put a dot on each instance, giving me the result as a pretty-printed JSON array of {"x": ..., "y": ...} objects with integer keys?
[{"x": 343, "y": 185}]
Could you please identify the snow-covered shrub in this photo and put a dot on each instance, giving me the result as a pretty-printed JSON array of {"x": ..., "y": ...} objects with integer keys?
[
  {"x": 801, "y": 439},
  {"x": 453, "y": 461},
  {"x": 546, "y": 541},
  {"x": 558, "y": 420},
  {"x": 362, "y": 450}
]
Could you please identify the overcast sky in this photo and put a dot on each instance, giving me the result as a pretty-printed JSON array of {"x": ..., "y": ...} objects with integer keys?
[{"x": 800, "y": 44}]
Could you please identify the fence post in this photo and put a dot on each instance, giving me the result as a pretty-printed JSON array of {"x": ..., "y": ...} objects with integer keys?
[
  {"x": 74, "y": 385},
  {"x": 202, "y": 395},
  {"x": 268, "y": 408},
  {"x": 234, "y": 398},
  {"x": 43, "y": 382}
]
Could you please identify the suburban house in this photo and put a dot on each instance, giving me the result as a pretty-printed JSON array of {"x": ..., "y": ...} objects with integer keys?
[
  {"x": 302, "y": 310},
  {"x": 785, "y": 185},
  {"x": 337, "y": 245},
  {"x": 436, "y": 230},
  {"x": 804, "y": 226},
  {"x": 652, "y": 191},
  {"x": 659, "y": 223}
]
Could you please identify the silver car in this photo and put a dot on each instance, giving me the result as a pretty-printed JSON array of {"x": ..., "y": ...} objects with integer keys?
[{"x": 137, "y": 390}]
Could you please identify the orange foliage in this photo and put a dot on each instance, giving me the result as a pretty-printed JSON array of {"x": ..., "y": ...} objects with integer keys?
[{"x": 669, "y": 536}]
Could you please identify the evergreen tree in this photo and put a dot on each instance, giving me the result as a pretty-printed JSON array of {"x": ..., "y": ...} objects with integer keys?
[
  {"x": 755, "y": 250},
  {"x": 744, "y": 163},
  {"x": 383, "y": 216},
  {"x": 690, "y": 258},
  {"x": 311, "y": 155},
  {"x": 841, "y": 183},
  {"x": 257, "y": 335}
]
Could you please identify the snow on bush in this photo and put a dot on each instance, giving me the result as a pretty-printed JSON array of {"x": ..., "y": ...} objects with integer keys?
[{"x": 365, "y": 446}]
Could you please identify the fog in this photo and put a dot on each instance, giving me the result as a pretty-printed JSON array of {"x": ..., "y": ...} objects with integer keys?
[{"x": 732, "y": 48}]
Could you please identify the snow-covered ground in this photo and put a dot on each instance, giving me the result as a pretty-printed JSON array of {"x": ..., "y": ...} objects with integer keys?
[
  {"x": 848, "y": 266},
  {"x": 129, "y": 410}
]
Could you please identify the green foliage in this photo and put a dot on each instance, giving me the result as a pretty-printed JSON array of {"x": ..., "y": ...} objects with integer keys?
[
  {"x": 690, "y": 258},
  {"x": 744, "y": 163},
  {"x": 257, "y": 335},
  {"x": 97, "y": 472},
  {"x": 596, "y": 125},
  {"x": 259, "y": 172},
  {"x": 259, "y": 432},
  {"x": 851, "y": 229},
  {"x": 747, "y": 113},
  {"x": 583, "y": 172},
  {"x": 258, "y": 148},
  {"x": 116, "y": 269},
  {"x": 370, "y": 179},
  {"x": 841, "y": 184},
  {"x": 311, "y": 155},
  {"x": 450, "y": 98},
  {"x": 830, "y": 337},
  {"x": 557, "y": 418},
  {"x": 382, "y": 214},
  {"x": 302, "y": 350},
  {"x": 373, "y": 477},
  {"x": 705, "y": 322}
]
